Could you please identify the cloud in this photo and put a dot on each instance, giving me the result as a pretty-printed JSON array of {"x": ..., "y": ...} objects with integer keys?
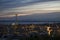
[
  {"x": 25, "y": 1},
  {"x": 6, "y": 4},
  {"x": 40, "y": 7},
  {"x": 51, "y": 6}
]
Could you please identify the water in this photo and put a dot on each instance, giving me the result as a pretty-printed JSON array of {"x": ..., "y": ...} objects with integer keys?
[{"x": 29, "y": 22}]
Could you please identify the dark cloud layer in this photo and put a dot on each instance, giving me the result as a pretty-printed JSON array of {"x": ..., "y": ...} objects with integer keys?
[{"x": 5, "y": 4}]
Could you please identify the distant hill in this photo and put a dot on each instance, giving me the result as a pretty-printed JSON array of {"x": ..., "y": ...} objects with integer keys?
[{"x": 35, "y": 17}]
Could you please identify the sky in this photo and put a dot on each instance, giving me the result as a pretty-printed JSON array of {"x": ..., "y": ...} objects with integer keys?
[{"x": 8, "y": 8}]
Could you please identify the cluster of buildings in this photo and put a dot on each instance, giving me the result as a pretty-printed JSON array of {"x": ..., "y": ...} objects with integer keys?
[{"x": 30, "y": 28}]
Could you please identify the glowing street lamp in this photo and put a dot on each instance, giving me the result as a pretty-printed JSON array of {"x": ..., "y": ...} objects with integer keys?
[{"x": 49, "y": 30}]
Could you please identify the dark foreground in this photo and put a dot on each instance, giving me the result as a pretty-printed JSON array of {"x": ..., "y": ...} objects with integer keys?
[
  {"x": 30, "y": 37},
  {"x": 30, "y": 32}
]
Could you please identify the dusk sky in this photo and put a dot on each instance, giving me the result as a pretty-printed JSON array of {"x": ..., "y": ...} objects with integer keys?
[{"x": 8, "y": 8}]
